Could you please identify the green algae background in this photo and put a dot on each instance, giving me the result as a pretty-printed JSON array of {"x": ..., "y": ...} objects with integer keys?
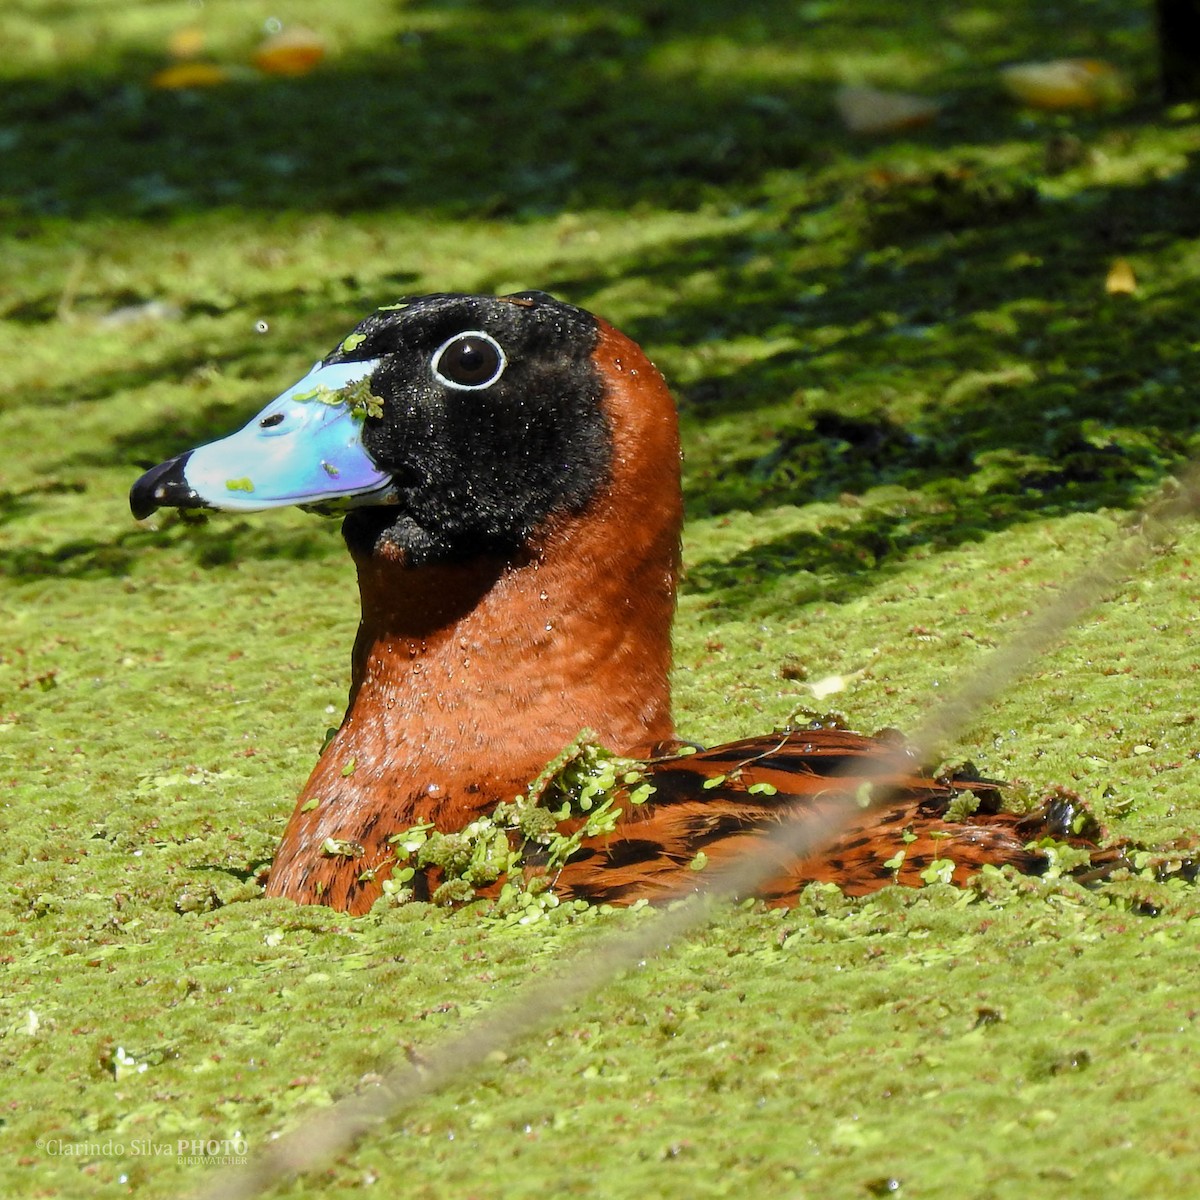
[{"x": 911, "y": 412}]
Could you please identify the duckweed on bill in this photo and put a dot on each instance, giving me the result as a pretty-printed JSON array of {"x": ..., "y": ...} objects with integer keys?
[{"x": 357, "y": 396}]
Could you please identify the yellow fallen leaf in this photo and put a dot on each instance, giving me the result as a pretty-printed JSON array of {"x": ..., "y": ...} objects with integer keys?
[
  {"x": 189, "y": 75},
  {"x": 832, "y": 684},
  {"x": 1065, "y": 83},
  {"x": 186, "y": 42},
  {"x": 870, "y": 110},
  {"x": 1121, "y": 281},
  {"x": 294, "y": 51}
]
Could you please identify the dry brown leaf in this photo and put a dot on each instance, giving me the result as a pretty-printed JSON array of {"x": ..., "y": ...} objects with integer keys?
[
  {"x": 870, "y": 110},
  {"x": 1121, "y": 281},
  {"x": 294, "y": 51},
  {"x": 189, "y": 75},
  {"x": 1065, "y": 83}
]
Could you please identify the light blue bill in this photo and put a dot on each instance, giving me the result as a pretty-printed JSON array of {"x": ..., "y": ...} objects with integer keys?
[{"x": 304, "y": 448}]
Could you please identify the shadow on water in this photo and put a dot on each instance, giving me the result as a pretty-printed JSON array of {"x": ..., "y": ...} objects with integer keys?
[
  {"x": 474, "y": 109},
  {"x": 960, "y": 275},
  {"x": 211, "y": 544}
]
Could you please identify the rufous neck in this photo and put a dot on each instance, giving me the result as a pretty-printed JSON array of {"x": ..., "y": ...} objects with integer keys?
[
  {"x": 497, "y": 666},
  {"x": 491, "y": 667}
]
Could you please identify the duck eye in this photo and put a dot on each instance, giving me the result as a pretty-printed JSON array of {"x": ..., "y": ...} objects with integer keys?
[
  {"x": 271, "y": 421},
  {"x": 469, "y": 360}
]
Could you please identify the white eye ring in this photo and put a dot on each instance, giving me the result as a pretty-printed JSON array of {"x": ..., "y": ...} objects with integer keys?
[{"x": 471, "y": 385}]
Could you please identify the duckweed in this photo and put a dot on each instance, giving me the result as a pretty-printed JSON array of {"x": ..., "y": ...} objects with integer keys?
[
  {"x": 910, "y": 411},
  {"x": 574, "y": 798},
  {"x": 356, "y": 396}
]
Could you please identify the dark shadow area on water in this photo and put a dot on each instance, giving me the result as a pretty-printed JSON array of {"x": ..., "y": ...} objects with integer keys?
[
  {"x": 211, "y": 543},
  {"x": 527, "y": 111},
  {"x": 484, "y": 110}
]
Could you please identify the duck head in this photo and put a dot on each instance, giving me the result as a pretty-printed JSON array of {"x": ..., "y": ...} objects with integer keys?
[
  {"x": 509, "y": 472},
  {"x": 462, "y": 424}
]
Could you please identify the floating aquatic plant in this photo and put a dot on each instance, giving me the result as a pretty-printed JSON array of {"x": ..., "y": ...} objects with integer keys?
[
  {"x": 526, "y": 840},
  {"x": 357, "y": 396}
]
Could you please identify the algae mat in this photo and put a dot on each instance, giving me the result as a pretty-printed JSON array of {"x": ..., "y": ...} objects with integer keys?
[{"x": 925, "y": 376}]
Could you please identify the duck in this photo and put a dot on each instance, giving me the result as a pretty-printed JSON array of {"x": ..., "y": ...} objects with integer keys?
[{"x": 507, "y": 473}]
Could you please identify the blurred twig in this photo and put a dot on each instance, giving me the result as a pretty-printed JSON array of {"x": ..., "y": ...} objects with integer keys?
[{"x": 65, "y": 310}]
